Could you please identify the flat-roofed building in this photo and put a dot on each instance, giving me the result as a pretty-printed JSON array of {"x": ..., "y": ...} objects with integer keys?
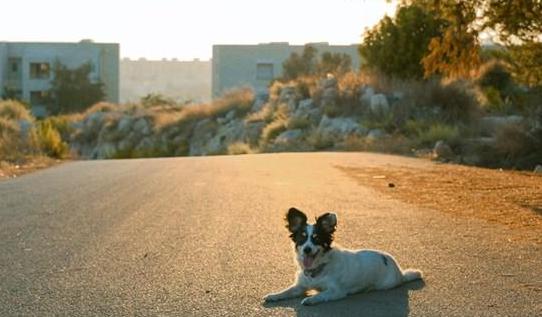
[{"x": 27, "y": 68}]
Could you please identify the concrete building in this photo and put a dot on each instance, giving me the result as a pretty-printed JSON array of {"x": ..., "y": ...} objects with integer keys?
[
  {"x": 26, "y": 69},
  {"x": 257, "y": 65},
  {"x": 180, "y": 80}
]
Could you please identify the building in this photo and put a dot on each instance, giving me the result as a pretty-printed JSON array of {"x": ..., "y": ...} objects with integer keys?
[
  {"x": 26, "y": 69},
  {"x": 257, "y": 65},
  {"x": 179, "y": 80}
]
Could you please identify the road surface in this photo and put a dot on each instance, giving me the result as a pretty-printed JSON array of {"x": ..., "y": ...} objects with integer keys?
[{"x": 205, "y": 237}]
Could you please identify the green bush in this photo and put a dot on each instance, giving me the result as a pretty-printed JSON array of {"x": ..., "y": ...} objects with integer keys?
[
  {"x": 495, "y": 74},
  {"x": 438, "y": 131},
  {"x": 50, "y": 141}
]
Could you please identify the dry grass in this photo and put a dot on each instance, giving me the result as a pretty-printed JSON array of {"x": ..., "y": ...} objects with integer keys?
[
  {"x": 510, "y": 198},
  {"x": 25, "y": 166}
]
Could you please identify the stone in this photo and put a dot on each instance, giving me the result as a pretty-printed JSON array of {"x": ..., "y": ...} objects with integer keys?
[
  {"x": 288, "y": 137},
  {"x": 379, "y": 104},
  {"x": 339, "y": 127},
  {"x": 142, "y": 127},
  {"x": 366, "y": 95},
  {"x": 442, "y": 151},
  {"x": 375, "y": 134},
  {"x": 125, "y": 125},
  {"x": 253, "y": 131},
  {"x": 538, "y": 169},
  {"x": 202, "y": 134}
]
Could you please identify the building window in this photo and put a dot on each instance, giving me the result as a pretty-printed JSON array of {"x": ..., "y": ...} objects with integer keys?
[
  {"x": 39, "y": 70},
  {"x": 264, "y": 71},
  {"x": 39, "y": 97},
  {"x": 14, "y": 67}
]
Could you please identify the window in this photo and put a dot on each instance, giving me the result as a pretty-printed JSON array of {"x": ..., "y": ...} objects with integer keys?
[
  {"x": 39, "y": 70},
  {"x": 264, "y": 71},
  {"x": 38, "y": 97},
  {"x": 14, "y": 67}
]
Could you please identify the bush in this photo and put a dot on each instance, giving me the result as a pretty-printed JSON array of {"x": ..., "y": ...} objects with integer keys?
[
  {"x": 239, "y": 148},
  {"x": 14, "y": 110},
  {"x": 11, "y": 144},
  {"x": 494, "y": 74},
  {"x": 50, "y": 141},
  {"x": 449, "y": 134}
]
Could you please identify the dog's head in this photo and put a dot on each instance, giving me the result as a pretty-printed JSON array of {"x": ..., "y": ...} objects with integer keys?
[{"x": 312, "y": 241}]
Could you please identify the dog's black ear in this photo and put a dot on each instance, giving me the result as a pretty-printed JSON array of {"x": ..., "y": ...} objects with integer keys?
[
  {"x": 296, "y": 219},
  {"x": 327, "y": 222}
]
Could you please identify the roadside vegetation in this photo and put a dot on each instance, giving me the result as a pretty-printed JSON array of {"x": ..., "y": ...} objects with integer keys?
[{"x": 427, "y": 88}]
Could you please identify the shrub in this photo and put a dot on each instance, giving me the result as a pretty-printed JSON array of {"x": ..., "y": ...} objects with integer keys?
[
  {"x": 11, "y": 143},
  {"x": 50, "y": 141},
  {"x": 494, "y": 74},
  {"x": 14, "y": 110},
  {"x": 320, "y": 141},
  {"x": 239, "y": 148},
  {"x": 297, "y": 123},
  {"x": 272, "y": 130},
  {"x": 449, "y": 134}
]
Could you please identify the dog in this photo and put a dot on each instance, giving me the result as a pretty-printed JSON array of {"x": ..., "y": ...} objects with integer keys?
[{"x": 333, "y": 271}]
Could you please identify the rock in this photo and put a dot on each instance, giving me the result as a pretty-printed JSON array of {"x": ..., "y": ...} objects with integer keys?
[
  {"x": 105, "y": 150},
  {"x": 379, "y": 104},
  {"x": 253, "y": 131},
  {"x": 442, "y": 151},
  {"x": 125, "y": 145},
  {"x": 146, "y": 145},
  {"x": 375, "y": 134},
  {"x": 489, "y": 125},
  {"x": 226, "y": 134},
  {"x": 258, "y": 104},
  {"x": 202, "y": 134},
  {"x": 305, "y": 105},
  {"x": 288, "y": 137},
  {"x": 339, "y": 127},
  {"x": 538, "y": 169},
  {"x": 125, "y": 125},
  {"x": 142, "y": 127},
  {"x": 366, "y": 95},
  {"x": 328, "y": 82},
  {"x": 93, "y": 123}
]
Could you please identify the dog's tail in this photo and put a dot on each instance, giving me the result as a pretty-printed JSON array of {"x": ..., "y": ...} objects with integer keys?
[{"x": 411, "y": 275}]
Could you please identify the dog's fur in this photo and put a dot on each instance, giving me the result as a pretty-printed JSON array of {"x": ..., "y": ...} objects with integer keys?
[{"x": 333, "y": 271}]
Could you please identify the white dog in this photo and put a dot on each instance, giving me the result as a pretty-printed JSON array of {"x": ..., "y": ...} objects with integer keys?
[{"x": 335, "y": 272}]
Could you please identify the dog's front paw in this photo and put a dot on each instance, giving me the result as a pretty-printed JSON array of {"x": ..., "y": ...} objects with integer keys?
[
  {"x": 308, "y": 301},
  {"x": 271, "y": 298}
]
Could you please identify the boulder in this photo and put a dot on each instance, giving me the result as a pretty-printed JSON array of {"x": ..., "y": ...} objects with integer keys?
[
  {"x": 375, "y": 134},
  {"x": 339, "y": 127},
  {"x": 125, "y": 124},
  {"x": 142, "y": 127},
  {"x": 253, "y": 131},
  {"x": 366, "y": 94},
  {"x": 289, "y": 137},
  {"x": 442, "y": 151},
  {"x": 379, "y": 104},
  {"x": 202, "y": 134}
]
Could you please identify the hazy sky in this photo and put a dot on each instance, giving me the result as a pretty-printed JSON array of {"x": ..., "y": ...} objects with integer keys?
[{"x": 185, "y": 30}]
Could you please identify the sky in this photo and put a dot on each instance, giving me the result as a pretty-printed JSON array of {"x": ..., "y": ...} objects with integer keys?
[{"x": 156, "y": 29}]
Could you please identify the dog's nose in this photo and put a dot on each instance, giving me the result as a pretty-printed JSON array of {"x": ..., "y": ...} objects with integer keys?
[{"x": 307, "y": 250}]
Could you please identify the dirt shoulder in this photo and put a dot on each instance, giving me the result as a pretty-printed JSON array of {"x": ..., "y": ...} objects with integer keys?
[
  {"x": 510, "y": 198},
  {"x": 12, "y": 170}
]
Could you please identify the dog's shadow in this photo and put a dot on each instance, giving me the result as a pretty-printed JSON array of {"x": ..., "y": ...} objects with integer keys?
[{"x": 392, "y": 302}]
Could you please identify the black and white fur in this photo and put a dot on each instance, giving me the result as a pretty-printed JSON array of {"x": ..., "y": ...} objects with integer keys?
[{"x": 333, "y": 271}]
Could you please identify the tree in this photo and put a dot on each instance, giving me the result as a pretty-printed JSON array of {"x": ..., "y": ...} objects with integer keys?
[
  {"x": 516, "y": 22},
  {"x": 72, "y": 90},
  {"x": 396, "y": 46},
  {"x": 334, "y": 63},
  {"x": 308, "y": 64},
  {"x": 296, "y": 66}
]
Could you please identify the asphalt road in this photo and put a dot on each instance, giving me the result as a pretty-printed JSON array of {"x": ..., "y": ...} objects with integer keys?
[{"x": 205, "y": 237}]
